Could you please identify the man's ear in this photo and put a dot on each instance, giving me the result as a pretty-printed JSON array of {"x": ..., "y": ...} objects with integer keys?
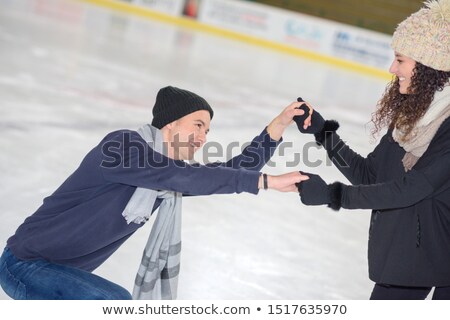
[{"x": 170, "y": 126}]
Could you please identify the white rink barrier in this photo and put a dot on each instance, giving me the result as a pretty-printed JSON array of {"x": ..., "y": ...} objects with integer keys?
[
  {"x": 172, "y": 7},
  {"x": 299, "y": 30},
  {"x": 315, "y": 38}
]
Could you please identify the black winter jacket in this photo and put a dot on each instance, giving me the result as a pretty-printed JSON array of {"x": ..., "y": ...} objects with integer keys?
[{"x": 409, "y": 236}]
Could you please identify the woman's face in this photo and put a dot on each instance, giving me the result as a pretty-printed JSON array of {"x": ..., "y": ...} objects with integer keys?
[{"x": 403, "y": 67}]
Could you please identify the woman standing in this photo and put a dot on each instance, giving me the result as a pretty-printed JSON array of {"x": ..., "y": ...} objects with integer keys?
[{"x": 406, "y": 179}]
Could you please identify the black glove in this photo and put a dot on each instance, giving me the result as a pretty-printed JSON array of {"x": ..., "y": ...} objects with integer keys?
[
  {"x": 317, "y": 121},
  {"x": 315, "y": 191}
]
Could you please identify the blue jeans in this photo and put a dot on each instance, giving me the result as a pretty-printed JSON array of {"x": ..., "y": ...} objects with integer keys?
[{"x": 42, "y": 280}]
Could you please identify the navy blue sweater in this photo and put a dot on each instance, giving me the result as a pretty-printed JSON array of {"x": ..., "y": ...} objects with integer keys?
[{"x": 81, "y": 223}]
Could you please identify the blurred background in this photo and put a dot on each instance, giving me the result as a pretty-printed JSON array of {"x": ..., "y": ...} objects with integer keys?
[
  {"x": 377, "y": 15},
  {"x": 72, "y": 71}
]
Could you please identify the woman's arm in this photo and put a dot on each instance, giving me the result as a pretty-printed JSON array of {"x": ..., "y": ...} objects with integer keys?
[
  {"x": 429, "y": 176},
  {"x": 357, "y": 169}
]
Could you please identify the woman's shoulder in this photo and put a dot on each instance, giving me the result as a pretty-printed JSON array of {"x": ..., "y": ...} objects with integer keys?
[
  {"x": 444, "y": 129},
  {"x": 441, "y": 140}
]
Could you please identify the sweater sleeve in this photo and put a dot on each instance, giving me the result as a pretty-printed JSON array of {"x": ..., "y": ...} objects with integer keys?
[
  {"x": 254, "y": 156},
  {"x": 127, "y": 159}
]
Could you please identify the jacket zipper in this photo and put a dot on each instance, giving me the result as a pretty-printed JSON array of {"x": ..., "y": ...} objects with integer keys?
[{"x": 418, "y": 235}]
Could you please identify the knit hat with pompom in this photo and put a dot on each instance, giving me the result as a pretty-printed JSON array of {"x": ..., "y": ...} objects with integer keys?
[{"x": 425, "y": 35}]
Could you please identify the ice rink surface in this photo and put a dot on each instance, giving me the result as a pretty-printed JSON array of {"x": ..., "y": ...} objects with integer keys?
[{"x": 72, "y": 72}]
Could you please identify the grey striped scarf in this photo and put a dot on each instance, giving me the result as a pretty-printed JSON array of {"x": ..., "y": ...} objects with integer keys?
[{"x": 157, "y": 277}]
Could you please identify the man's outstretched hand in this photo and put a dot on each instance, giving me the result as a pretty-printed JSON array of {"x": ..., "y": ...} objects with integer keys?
[{"x": 284, "y": 182}]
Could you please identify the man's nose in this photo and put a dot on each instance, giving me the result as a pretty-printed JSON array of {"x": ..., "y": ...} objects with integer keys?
[{"x": 201, "y": 137}]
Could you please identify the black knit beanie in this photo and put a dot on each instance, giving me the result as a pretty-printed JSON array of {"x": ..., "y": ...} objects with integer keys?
[{"x": 173, "y": 103}]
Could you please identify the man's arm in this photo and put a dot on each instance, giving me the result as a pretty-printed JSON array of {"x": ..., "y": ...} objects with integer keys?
[
  {"x": 141, "y": 166},
  {"x": 286, "y": 118},
  {"x": 262, "y": 148}
]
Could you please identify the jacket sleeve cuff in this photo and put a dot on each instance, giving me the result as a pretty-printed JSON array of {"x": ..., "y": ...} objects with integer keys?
[
  {"x": 335, "y": 191},
  {"x": 329, "y": 127}
]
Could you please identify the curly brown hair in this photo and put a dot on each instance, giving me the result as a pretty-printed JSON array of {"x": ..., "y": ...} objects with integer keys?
[{"x": 402, "y": 111}]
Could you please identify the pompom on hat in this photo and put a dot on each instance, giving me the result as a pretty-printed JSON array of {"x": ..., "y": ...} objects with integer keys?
[
  {"x": 174, "y": 103},
  {"x": 425, "y": 35}
]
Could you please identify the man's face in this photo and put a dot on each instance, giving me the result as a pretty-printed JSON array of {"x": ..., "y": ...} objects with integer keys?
[{"x": 188, "y": 134}]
